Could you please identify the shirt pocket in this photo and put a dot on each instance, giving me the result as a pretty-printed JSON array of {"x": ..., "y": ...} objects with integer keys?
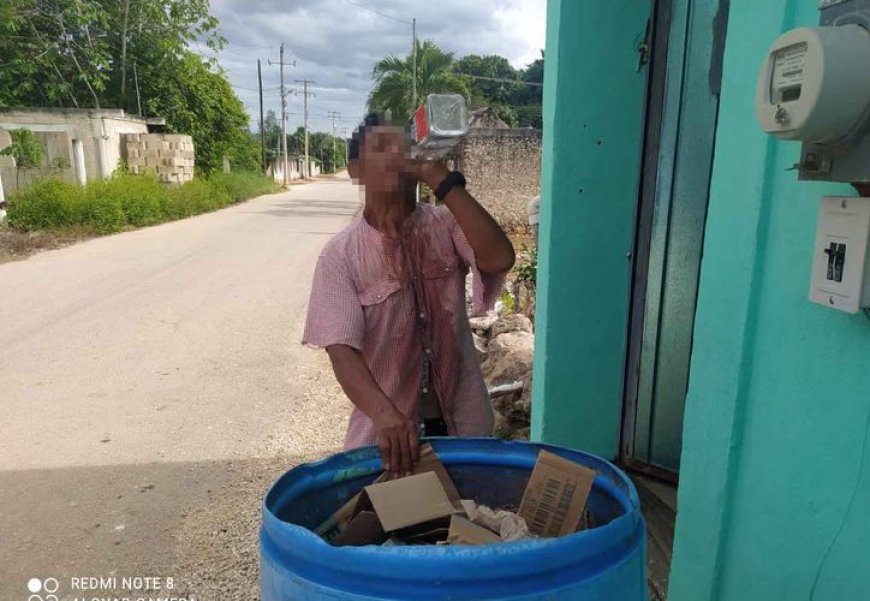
[
  {"x": 443, "y": 267},
  {"x": 382, "y": 304}
]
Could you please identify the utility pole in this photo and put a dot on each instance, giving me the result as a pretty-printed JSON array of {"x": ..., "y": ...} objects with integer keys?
[
  {"x": 305, "y": 93},
  {"x": 333, "y": 115},
  {"x": 138, "y": 98},
  {"x": 262, "y": 123},
  {"x": 414, "y": 60},
  {"x": 281, "y": 63}
]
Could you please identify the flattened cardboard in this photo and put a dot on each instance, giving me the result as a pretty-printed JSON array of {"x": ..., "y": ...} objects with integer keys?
[
  {"x": 429, "y": 533},
  {"x": 364, "y": 529},
  {"x": 465, "y": 532},
  {"x": 556, "y": 495},
  {"x": 429, "y": 462},
  {"x": 339, "y": 520},
  {"x": 394, "y": 542},
  {"x": 409, "y": 501},
  {"x": 468, "y": 507}
]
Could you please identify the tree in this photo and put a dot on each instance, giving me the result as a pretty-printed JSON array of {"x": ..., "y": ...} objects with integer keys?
[
  {"x": 393, "y": 80},
  {"x": 320, "y": 145},
  {"x": 531, "y": 98},
  {"x": 53, "y": 52},
  {"x": 26, "y": 149},
  {"x": 81, "y": 53},
  {"x": 272, "y": 131},
  {"x": 199, "y": 101},
  {"x": 488, "y": 92}
]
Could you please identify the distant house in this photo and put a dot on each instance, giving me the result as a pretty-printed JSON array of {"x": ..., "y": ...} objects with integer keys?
[
  {"x": 80, "y": 144},
  {"x": 295, "y": 168},
  {"x": 486, "y": 118}
]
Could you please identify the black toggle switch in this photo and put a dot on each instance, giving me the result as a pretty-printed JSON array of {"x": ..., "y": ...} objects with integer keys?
[
  {"x": 839, "y": 262},
  {"x": 831, "y": 251}
]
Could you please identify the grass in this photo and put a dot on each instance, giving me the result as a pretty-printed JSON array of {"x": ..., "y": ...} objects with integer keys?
[{"x": 54, "y": 213}]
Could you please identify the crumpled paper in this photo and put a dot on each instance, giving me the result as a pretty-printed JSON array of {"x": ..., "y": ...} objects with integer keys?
[{"x": 509, "y": 525}]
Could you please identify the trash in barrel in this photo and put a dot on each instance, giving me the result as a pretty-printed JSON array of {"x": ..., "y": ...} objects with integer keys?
[{"x": 479, "y": 519}]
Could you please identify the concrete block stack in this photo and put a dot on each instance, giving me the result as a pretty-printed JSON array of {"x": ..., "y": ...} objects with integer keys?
[{"x": 170, "y": 156}]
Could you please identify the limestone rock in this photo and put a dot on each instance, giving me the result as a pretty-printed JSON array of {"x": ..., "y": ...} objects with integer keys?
[
  {"x": 480, "y": 347},
  {"x": 521, "y": 433},
  {"x": 508, "y": 404},
  {"x": 525, "y": 402},
  {"x": 509, "y": 359},
  {"x": 483, "y": 323},
  {"x": 510, "y": 429},
  {"x": 511, "y": 323}
]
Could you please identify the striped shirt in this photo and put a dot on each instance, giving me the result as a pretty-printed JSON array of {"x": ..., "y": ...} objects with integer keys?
[{"x": 394, "y": 299}]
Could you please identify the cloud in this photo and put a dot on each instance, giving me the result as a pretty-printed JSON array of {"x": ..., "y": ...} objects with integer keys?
[{"x": 336, "y": 43}]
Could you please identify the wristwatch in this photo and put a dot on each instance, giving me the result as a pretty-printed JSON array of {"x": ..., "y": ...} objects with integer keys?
[{"x": 453, "y": 179}]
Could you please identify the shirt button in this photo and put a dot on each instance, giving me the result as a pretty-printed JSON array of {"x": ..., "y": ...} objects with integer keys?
[
  {"x": 422, "y": 316},
  {"x": 428, "y": 351},
  {"x": 379, "y": 296},
  {"x": 425, "y": 390},
  {"x": 446, "y": 269}
]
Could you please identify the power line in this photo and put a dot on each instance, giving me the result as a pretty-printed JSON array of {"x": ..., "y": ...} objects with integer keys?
[
  {"x": 518, "y": 81},
  {"x": 369, "y": 8}
]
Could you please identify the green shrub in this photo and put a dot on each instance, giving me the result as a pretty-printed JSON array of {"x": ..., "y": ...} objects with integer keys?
[
  {"x": 125, "y": 200},
  {"x": 193, "y": 198},
  {"x": 139, "y": 196},
  {"x": 241, "y": 186},
  {"x": 50, "y": 204},
  {"x": 102, "y": 211}
]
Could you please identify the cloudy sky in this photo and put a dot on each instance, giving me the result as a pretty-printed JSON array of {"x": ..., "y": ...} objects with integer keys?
[{"x": 336, "y": 43}]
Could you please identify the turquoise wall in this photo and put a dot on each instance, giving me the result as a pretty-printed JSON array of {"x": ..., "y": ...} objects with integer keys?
[
  {"x": 774, "y": 497},
  {"x": 591, "y": 163}
]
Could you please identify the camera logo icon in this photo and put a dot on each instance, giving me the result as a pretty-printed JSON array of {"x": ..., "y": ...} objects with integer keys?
[{"x": 43, "y": 589}]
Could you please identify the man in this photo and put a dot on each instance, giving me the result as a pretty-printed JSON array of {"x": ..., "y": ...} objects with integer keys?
[{"x": 388, "y": 301}]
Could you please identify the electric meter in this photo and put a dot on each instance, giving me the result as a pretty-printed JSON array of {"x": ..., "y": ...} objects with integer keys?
[{"x": 814, "y": 85}]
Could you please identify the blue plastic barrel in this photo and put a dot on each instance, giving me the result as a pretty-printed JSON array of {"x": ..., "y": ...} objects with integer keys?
[{"x": 606, "y": 563}]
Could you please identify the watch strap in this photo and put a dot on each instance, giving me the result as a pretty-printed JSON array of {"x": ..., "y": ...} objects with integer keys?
[{"x": 453, "y": 179}]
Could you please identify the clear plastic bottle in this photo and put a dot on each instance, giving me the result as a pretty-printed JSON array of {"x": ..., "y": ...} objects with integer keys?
[{"x": 438, "y": 125}]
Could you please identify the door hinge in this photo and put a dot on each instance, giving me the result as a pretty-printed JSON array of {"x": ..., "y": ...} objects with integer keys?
[{"x": 644, "y": 47}]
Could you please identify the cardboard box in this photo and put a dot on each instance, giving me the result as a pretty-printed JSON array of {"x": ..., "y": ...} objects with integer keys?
[
  {"x": 364, "y": 529},
  {"x": 556, "y": 495},
  {"x": 465, "y": 532},
  {"x": 338, "y": 521},
  {"x": 429, "y": 462},
  {"x": 430, "y": 533},
  {"x": 409, "y": 501}
]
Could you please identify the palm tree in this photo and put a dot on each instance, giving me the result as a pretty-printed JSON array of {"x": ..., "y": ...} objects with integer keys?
[{"x": 393, "y": 77}]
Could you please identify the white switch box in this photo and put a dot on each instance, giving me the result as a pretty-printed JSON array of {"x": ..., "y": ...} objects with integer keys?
[{"x": 841, "y": 263}]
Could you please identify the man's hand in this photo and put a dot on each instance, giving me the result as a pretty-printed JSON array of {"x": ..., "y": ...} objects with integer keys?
[
  {"x": 396, "y": 434},
  {"x": 431, "y": 173},
  {"x": 397, "y": 441}
]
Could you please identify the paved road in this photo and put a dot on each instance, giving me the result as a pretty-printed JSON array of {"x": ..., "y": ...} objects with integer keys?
[{"x": 143, "y": 374}]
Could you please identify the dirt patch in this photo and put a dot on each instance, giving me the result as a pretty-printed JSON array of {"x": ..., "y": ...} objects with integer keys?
[
  {"x": 15, "y": 245},
  {"x": 218, "y": 545}
]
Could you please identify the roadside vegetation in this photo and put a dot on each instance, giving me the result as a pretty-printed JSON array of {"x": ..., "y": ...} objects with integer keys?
[{"x": 53, "y": 213}]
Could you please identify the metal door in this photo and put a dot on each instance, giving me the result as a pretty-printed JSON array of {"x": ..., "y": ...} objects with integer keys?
[{"x": 682, "y": 107}]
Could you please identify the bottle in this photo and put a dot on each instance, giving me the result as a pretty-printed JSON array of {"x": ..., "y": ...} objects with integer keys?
[{"x": 438, "y": 125}]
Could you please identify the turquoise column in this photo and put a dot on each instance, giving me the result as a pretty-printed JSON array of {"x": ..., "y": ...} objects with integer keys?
[{"x": 593, "y": 133}]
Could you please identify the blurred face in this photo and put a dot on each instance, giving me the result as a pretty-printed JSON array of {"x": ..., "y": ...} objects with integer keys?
[{"x": 383, "y": 164}]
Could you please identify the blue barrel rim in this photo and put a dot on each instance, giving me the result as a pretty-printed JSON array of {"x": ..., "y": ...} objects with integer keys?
[{"x": 597, "y": 549}]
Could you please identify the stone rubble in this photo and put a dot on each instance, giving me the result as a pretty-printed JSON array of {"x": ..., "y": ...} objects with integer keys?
[{"x": 505, "y": 348}]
